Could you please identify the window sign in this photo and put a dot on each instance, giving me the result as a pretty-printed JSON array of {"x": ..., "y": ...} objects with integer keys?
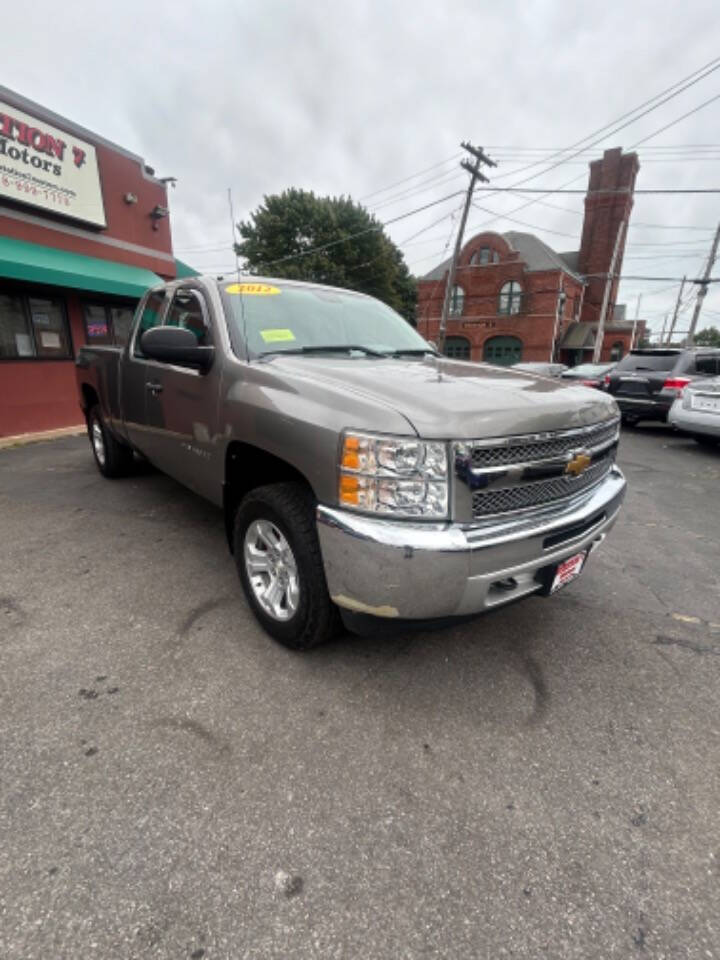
[{"x": 48, "y": 168}]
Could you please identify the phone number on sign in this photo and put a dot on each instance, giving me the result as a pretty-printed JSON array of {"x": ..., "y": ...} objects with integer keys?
[{"x": 34, "y": 191}]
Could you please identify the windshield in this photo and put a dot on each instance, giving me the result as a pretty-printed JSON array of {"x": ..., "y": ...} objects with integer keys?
[
  {"x": 275, "y": 318},
  {"x": 648, "y": 361}
]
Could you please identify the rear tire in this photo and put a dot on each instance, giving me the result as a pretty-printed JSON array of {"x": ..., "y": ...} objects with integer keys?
[
  {"x": 113, "y": 459},
  {"x": 278, "y": 559}
]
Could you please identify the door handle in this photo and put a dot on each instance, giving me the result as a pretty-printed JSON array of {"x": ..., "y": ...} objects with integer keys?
[{"x": 154, "y": 387}]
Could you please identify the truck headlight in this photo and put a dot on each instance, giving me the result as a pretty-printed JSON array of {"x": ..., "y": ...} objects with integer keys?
[{"x": 394, "y": 475}]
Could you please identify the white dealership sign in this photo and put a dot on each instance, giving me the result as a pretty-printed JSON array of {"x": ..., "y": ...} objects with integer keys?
[{"x": 46, "y": 167}]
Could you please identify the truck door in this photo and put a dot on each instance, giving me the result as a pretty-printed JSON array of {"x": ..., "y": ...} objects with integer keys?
[
  {"x": 182, "y": 404},
  {"x": 133, "y": 372}
]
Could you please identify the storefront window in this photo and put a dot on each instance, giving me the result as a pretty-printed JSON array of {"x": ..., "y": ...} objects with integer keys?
[
  {"x": 107, "y": 324},
  {"x": 33, "y": 327},
  {"x": 15, "y": 336},
  {"x": 97, "y": 329}
]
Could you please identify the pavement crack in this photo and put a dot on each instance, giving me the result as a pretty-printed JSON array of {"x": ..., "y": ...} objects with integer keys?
[{"x": 663, "y": 640}]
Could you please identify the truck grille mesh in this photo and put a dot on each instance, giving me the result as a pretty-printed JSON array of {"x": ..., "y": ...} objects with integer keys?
[
  {"x": 539, "y": 492},
  {"x": 529, "y": 449}
]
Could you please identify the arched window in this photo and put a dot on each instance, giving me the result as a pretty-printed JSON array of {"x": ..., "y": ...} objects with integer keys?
[
  {"x": 457, "y": 348},
  {"x": 483, "y": 256},
  {"x": 457, "y": 298},
  {"x": 616, "y": 351},
  {"x": 502, "y": 351},
  {"x": 510, "y": 298}
]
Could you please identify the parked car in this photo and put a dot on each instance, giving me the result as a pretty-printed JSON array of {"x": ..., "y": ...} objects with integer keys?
[
  {"x": 697, "y": 411},
  {"x": 361, "y": 474},
  {"x": 541, "y": 369},
  {"x": 647, "y": 382},
  {"x": 589, "y": 374}
]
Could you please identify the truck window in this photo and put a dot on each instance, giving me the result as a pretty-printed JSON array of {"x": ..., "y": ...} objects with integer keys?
[
  {"x": 187, "y": 311},
  {"x": 121, "y": 319},
  {"x": 151, "y": 317}
]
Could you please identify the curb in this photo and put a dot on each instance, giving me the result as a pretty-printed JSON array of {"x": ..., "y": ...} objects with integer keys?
[{"x": 21, "y": 439}]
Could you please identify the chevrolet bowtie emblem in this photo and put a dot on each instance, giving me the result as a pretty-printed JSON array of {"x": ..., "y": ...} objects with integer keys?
[{"x": 579, "y": 464}]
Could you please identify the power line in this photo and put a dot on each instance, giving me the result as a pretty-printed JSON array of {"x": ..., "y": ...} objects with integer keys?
[
  {"x": 666, "y": 226},
  {"x": 412, "y": 176},
  {"x": 438, "y": 181},
  {"x": 523, "y": 223},
  {"x": 714, "y": 64},
  {"x": 352, "y": 236},
  {"x": 547, "y": 191},
  {"x": 677, "y": 120},
  {"x": 668, "y": 94}
]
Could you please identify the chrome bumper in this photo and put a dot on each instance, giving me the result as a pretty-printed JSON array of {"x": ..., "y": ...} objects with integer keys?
[{"x": 390, "y": 568}]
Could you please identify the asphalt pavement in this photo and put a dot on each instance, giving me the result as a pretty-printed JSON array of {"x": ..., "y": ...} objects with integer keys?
[{"x": 543, "y": 781}]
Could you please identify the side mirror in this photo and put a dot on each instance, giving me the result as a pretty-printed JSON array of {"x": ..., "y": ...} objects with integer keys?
[{"x": 176, "y": 345}]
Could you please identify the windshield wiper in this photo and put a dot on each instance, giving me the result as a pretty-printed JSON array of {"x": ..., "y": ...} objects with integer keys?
[
  {"x": 412, "y": 353},
  {"x": 327, "y": 348}
]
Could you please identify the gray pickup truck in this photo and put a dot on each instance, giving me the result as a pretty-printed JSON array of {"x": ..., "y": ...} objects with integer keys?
[{"x": 362, "y": 476}]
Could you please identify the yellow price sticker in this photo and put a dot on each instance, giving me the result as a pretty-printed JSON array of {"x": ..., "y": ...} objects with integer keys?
[
  {"x": 253, "y": 289},
  {"x": 276, "y": 336}
]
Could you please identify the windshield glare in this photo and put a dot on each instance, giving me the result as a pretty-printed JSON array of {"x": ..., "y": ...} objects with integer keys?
[{"x": 274, "y": 318}]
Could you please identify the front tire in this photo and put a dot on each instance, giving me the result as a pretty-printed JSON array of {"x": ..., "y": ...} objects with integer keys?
[
  {"x": 113, "y": 458},
  {"x": 278, "y": 558},
  {"x": 705, "y": 440}
]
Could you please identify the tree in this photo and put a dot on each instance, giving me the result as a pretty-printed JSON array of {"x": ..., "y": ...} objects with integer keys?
[
  {"x": 709, "y": 337},
  {"x": 349, "y": 247}
]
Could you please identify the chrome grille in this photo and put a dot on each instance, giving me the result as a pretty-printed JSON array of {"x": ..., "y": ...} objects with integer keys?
[
  {"x": 537, "y": 493},
  {"x": 497, "y": 453}
]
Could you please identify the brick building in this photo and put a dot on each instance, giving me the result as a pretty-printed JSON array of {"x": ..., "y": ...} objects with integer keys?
[
  {"x": 84, "y": 231},
  {"x": 514, "y": 296}
]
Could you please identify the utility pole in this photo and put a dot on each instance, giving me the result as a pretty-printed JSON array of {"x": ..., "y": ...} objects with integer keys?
[
  {"x": 635, "y": 322},
  {"x": 599, "y": 336},
  {"x": 559, "y": 307},
  {"x": 702, "y": 292},
  {"x": 475, "y": 175},
  {"x": 677, "y": 308},
  {"x": 662, "y": 335}
]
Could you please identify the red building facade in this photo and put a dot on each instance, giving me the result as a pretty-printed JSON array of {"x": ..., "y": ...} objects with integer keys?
[
  {"x": 84, "y": 230},
  {"x": 516, "y": 299}
]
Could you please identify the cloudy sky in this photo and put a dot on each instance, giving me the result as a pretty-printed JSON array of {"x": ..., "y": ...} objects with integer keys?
[{"x": 372, "y": 100}]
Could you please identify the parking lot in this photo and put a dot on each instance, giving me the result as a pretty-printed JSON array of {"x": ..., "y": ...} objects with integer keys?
[{"x": 542, "y": 781}]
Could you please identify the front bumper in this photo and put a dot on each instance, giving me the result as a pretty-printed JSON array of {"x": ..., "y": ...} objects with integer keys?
[{"x": 416, "y": 571}]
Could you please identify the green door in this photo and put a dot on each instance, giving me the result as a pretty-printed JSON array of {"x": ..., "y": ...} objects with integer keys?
[{"x": 502, "y": 351}]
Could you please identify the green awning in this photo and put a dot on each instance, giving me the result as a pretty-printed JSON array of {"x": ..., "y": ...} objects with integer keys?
[
  {"x": 34, "y": 263},
  {"x": 184, "y": 270}
]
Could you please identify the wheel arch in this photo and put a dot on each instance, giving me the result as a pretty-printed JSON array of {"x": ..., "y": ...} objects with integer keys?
[
  {"x": 246, "y": 468},
  {"x": 89, "y": 398}
]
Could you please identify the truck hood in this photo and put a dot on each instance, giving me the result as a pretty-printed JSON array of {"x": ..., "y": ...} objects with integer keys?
[{"x": 450, "y": 399}]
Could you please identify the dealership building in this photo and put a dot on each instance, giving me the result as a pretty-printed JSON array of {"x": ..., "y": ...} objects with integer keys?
[{"x": 84, "y": 231}]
